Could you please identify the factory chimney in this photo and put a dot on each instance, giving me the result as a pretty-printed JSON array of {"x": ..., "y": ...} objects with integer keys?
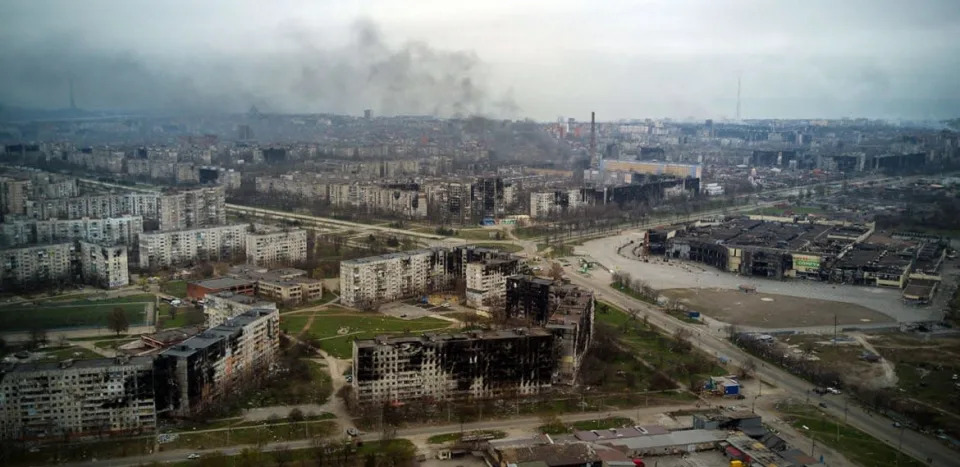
[{"x": 594, "y": 163}]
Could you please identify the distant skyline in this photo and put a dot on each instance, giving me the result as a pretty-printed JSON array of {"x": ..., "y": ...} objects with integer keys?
[{"x": 538, "y": 59}]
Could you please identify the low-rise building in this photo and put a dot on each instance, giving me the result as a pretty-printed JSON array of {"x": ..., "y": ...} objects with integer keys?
[
  {"x": 198, "y": 290},
  {"x": 84, "y": 398}
]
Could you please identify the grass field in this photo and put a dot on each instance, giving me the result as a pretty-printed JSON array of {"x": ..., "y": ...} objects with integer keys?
[
  {"x": 657, "y": 349},
  {"x": 186, "y": 316},
  {"x": 253, "y": 435},
  {"x": 175, "y": 288},
  {"x": 857, "y": 446},
  {"x": 448, "y": 437},
  {"x": 69, "y": 315},
  {"x": 479, "y": 234}
]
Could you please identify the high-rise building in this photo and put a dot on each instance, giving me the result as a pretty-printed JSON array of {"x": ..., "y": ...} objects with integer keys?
[
  {"x": 162, "y": 249},
  {"x": 36, "y": 264},
  {"x": 84, "y": 398},
  {"x": 202, "y": 370},
  {"x": 104, "y": 265},
  {"x": 281, "y": 247}
]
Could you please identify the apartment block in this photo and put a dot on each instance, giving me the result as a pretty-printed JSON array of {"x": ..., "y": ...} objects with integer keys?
[
  {"x": 546, "y": 203},
  {"x": 394, "y": 276},
  {"x": 162, "y": 249},
  {"x": 220, "y": 307},
  {"x": 566, "y": 311},
  {"x": 104, "y": 265},
  {"x": 454, "y": 366},
  {"x": 202, "y": 207},
  {"x": 14, "y": 194},
  {"x": 486, "y": 281},
  {"x": 202, "y": 370},
  {"x": 36, "y": 264},
  {"x": 95, "y": 206},
  {"x": 113, "y": 230},
  {"x": 276, "y": 247},
  {"x": 77, "y": 399}
]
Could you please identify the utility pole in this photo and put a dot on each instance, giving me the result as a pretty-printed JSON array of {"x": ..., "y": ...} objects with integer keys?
[
  {"x": 834, "y": 330},
  {"x": 899, "y": 446}
]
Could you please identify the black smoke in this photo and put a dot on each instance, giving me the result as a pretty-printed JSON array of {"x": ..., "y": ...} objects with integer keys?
[{"x": 414, "y": 78}]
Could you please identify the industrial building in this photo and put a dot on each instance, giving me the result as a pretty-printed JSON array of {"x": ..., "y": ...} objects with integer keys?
[
  {"x": 276, "y": 247},
  {"x": 162, "y": 249},
  {"x": 454, "y": 366},
  {"x": 202, "y": 370},
  {"x": 74, "y": 399}
]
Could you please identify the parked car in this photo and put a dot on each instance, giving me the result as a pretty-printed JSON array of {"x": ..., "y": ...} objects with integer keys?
[
  {"x": 353, "y": 431},
  {"x": 193, "y": 456}
]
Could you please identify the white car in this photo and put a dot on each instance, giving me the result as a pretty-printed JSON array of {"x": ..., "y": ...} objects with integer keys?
[
  {"x": 833, "y": 391},
  {"x": 193, "y": 456}
]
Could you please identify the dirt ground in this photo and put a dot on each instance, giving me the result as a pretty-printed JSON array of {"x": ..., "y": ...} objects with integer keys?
[{"x": 772, "y": 311}]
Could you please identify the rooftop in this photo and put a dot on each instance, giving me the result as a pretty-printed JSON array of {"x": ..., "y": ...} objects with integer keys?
[{"x": 223, "y": 283}]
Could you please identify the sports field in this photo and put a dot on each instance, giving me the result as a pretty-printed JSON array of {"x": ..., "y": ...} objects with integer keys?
[{"x": 73, "y": 314}]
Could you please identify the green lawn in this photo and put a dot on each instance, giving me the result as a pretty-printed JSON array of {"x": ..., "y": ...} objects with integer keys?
[
  {"x": 360, "y": 326},
  {"x": 68, "y": 315},
  {"x": 657, "y": 349},
  {"x": 315, "y": 390},
  {"x": 507, "y": 247},
  {"x": 184, "y": 317},
  {"x": 175, "y": 288},
  {"x": 857, "y": 446},
  {"x": 480, "y": 234},
  {"x": 603, "y": 424}
]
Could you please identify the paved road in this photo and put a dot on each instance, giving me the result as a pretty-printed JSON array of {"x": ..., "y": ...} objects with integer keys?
[
  {"x": 713, "y": 342},
  {"x": 527, "y": 423}
]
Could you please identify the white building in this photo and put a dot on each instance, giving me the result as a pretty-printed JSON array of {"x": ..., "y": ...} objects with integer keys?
[
  {"x": 104, "y": 266},
  {"x": 85, "y": 398},
  {"x": 202, "y": 207},
  {"x": 487, "y": 281},
  {"x": 393, "y": 276},
  {"x": 545, "y": 203},
  {"x": 276, "y": 247},
  {"x": 162, "y": 249}
]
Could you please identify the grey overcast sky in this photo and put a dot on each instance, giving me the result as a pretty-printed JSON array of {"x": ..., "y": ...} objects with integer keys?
[{"x": 537, "y": 59}]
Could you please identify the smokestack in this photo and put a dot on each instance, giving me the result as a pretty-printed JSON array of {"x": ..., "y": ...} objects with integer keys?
[{"x": 594, "y": 164}]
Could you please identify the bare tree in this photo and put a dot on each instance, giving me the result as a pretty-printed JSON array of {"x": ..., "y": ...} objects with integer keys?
[
  {"x": 117, "y": 321},
  {"x": 556, "y": 271}
]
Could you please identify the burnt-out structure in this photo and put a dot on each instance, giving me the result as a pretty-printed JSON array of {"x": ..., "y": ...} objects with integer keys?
[
  {"x": 643, "y": 189},
  {"x": 772, "y": 158},
  {"x": 771, "y": 249},
  {"x": 77, "y": 399},
  {"x": 199, "y": 372},
  {"x": 566, "y": 311},
  {"x": 469, "y": 366}
]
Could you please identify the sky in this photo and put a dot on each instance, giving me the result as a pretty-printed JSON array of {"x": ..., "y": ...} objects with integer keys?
[{"x": 504, "y": 59}]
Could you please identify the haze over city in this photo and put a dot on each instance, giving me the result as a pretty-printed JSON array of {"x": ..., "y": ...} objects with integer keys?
[{"x": 880, "y": 59}]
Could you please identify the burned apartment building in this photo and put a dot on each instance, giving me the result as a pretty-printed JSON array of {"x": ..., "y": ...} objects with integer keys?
[
  {"x": 567, "y": 311},
  {"x": 77, "y": 399},
  {"x": 394, "y": 276},
  {"x": 469, "y": 366},
  {"x": 486, "y": 280},
  {"x": 203, "y": 370}
]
